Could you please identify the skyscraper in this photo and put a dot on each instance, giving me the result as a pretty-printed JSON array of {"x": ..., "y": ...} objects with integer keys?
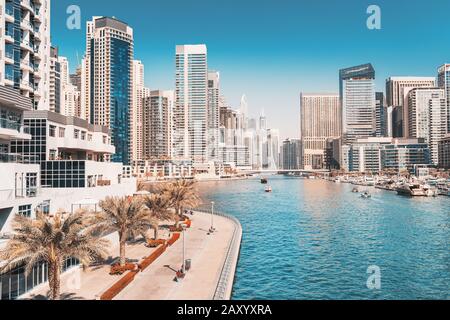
[
  {"x": 444, "y": 83},
  {"x": 139, "y": 93},
  {"x": 213, "y": 114},
  {"x": 290, "y": 155},
  {"x": 55, "y": 92},
  {"x": 381, "y": 115},
  {"x": 320, "y": 118},
  {"x": 156, "y": 127},
  {"x": 25, "y": 48},
  {"x": 397, "y": 89},
  {"x": 191, "y": 104},
  {"x": 107, "y": 80},
  {"x": 357, "y": 95},
  {"x": 428, "y": 117}
]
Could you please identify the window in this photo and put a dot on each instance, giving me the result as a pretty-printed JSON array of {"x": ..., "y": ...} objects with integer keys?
[
  {"x": 44, "y": 207},
  {"x": 52, "y": 131},
  {"x": 76, "y": 134},
  {"x": 83, "y": 135},
  {"x": 62, "y": 132},
  {"x": 105, "y": 140},
  {"x": 25, "y": 210},
  {"x": 89, "y": 137}
]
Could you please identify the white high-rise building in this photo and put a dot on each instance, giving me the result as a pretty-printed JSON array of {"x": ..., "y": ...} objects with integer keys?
[
  {"x": 444, "y": 83},
  {"x": 213, "y": 114},
  {"x": 139, "y": 93},
  {"x": 357, "y": 94},
  {"x": 397, "y": 90},
  {"x": 108, "y": 79},
  {"x": 190, "y": 135},
  {"x": 25, "y": 48},
  {"x": 427, "y": 117},
  {"x": 320, "y": 117}
]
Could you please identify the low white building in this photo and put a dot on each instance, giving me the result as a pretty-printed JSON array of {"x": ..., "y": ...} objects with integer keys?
[{"x": 61, "y": 164}]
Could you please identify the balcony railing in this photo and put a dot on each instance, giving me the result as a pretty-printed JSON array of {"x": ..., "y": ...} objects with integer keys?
[
  {"x": 8, "y": 124},
  {"x": 17, "y": 158},
  {"x": 12, "y": 194}
]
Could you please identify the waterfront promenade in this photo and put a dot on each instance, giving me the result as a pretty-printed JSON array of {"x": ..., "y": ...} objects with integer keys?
[{"x": 207, "y": 252}]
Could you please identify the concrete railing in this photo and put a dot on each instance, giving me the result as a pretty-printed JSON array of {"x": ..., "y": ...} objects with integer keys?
[{"x": 225, "y": 283}]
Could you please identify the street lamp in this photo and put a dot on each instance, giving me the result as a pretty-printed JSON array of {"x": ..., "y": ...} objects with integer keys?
[
  {"x": 184, "y": 248},
  {"x": 212, "y": 218}
]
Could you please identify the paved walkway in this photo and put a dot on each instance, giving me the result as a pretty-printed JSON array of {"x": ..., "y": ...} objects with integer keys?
[
  {"x": 157, "y": 281},
  {"x": 207, "y": 254}
]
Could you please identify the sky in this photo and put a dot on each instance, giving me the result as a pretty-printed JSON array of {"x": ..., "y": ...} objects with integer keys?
[{"x": 271, "y": 50}]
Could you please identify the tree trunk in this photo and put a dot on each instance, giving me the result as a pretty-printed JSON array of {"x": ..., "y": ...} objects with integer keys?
[
  {"x": 156, "y": 228},
  {"x": 55, "y": 280},
  {"x": 123, "y": 241}
]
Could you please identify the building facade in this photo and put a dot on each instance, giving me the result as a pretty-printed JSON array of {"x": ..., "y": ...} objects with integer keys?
[
  {"x": 320, "y": 117},
  {"x": 357, "y": 96},
  {"x": 444, "y": 152},
  {"x": 381, "y": 115},
  {"x": 139, "y": 93},
  {"x": 190, "y": 130},
  {"x": 290, "y": 155},
  {"x": 405, "y": 155},
  {"x": 25, "y": 48},
  {"x": 444, "y": 83},
  {"x": 213, "y": 114},
  {"x": 107, "y": 81},
  {"x": 397, "y": 89},
  {"x": 156, "y": 117},
  {"x": 427, "y": 117}
]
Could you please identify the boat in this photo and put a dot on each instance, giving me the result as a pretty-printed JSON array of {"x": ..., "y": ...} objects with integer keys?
[
  {"x": 416, "y": 190},
  {"x": 355, "y": 190},
  {"x": 264, "y": 181},
  {"x": 268, "y": 189},
  {"x": 366, "y": 195}
]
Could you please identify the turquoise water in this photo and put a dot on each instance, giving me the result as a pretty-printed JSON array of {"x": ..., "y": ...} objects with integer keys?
[{"x": 313, "y": 239}]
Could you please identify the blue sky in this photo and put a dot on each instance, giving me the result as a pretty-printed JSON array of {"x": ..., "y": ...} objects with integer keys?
[{"x": 271, "y": 50}]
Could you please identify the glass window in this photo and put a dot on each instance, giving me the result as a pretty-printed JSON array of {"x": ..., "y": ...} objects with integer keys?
[
  {"x": 76, "y": 134},
  {"x": 52, "y": 131},
  {"x": 25, "y": 210},
  {"x": 62, "y": 132}
]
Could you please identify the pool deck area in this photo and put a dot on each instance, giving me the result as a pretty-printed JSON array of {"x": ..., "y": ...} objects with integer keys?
[{"x": 214, "y": 258}]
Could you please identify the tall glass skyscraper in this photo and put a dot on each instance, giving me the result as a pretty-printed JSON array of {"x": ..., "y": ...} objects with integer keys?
[
  {"x": 357, "y": 96},
  {"x": 190, "y": 131},
  {"x": 444, "y": 83},
  {"x": 107, "y": 92}
]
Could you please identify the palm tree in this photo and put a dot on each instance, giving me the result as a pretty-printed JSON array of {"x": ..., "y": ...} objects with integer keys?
[
  {"x": 127, "y": 216},
  {"x": 52, "y": 240},
  {"x": 159, "y": 206},
  {"x": 181, "y": 194}
]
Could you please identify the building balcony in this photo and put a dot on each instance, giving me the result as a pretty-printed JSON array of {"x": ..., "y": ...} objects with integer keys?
[
  {"x": 26, "y": 85},
  {"x": 9, "y": 36},
  {"x": 27, "y": 25},
  {"x": 27, "y": 65},
  {"x": 9, "y": 57},
  {"x": 14, "y": 194},
  {"x": 9, "y": 13},
  {"x": 27, "y": 45},
  {"x": 10, "y": 130},
  {"x": 27, "y": 4}
]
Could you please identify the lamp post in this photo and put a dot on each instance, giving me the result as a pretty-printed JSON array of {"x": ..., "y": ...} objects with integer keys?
[
  {"x": 184, "y": 249},
  {"x": 212, "y": 217}
]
